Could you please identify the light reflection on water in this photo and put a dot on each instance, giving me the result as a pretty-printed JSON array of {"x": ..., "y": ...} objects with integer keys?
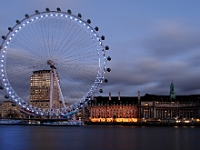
[{"x": 99, "y": 138}]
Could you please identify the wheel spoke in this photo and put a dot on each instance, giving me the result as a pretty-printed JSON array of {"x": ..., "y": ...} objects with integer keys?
[{"x": 56, "y": 42}]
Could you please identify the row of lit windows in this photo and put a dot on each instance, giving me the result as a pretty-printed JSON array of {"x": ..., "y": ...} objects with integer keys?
[
  {"x": 128, "y": 112},
  {"x": 124, "y": 110},
  {"x": 113, "y": 112},
  {"x": 40, "y": 78},
  {"x": 39, "y": 97},
  {"x": 113, "y": 104},
  {"x": 45, "y": 104},
  {"x": 115, "y": 107},
  {"x": 39, "y": 100}
]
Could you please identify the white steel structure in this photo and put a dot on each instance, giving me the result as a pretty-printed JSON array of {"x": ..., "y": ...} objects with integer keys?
[{"x": 59, "y": 41}]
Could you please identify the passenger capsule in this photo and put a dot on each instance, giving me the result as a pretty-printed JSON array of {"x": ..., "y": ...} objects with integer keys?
[
  {"x": 109, "y": 58},
  {"x": 106, "y": 47},
  {"x": 26, "y": 15},
  {"x": 108, "y": 69},
  {"x": 17, "y": 21},
  {"x": 10, "y": 29},
  {"x": 58, "y": 9},
  {"x": 106, "y": 80},
  {"x": 6, "y": 96},
  {"x": 79, "y": 15},
  {"x": 3, "y": 37},
  {"x": 37, "y": 12},
  {"x": 102, "y": 37},
  {"x": 96, "y": 29},
  {"x": 88, "y": 21},
  {"x": 101, "y": 91},
  {"x": 69, "y": 11},
  {"x": 47, "y": 10}
]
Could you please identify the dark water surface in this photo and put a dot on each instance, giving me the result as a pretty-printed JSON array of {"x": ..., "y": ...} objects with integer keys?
[{"x": 99, "y": 138}]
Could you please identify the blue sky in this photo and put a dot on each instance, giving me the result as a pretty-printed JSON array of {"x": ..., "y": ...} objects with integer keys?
[{"x": 152, "y": 42}]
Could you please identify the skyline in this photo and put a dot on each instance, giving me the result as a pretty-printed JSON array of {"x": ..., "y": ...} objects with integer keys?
[{"x": 154, "y": 43}]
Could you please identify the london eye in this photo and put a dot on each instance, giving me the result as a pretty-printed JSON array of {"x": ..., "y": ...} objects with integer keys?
[{"x": 52, "y": 62}]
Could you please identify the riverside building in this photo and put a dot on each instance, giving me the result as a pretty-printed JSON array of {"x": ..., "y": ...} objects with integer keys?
[
  {"x": 145, "y": 108},
  {"x": 113, "y": 109},
  {"x": 170, "y": 107},
  {"x": 158, "y": 106}
]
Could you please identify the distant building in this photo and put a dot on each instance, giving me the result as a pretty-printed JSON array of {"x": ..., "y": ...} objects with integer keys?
[
  {"x": 40, "y": 90},
  {"x": 10, "y": 109}
]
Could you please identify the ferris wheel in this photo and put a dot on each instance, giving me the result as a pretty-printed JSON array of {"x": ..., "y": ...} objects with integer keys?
[{"x": 52, "y": 62}]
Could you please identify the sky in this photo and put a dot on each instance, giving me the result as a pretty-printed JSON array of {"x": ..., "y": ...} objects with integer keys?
[{"x": 152, "y": 42}]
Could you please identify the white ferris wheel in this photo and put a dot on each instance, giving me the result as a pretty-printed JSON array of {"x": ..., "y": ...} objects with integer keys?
[{"x": 62, "y": 44}]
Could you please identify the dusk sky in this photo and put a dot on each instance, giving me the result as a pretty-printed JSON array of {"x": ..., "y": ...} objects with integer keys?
[{"x": 152, "y": 42}]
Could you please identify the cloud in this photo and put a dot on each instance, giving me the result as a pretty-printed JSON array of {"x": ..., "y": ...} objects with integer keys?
[
  {"x": 171, "y": 39},
  {"x": 150, "y": 70},
  {"x": 169, "y": 53}
]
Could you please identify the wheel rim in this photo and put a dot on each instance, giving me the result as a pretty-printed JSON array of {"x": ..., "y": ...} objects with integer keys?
[{"x": 38, "y": 38}]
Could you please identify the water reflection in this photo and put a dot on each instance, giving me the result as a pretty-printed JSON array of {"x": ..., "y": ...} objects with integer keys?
[{"x": 99, "y": 138}]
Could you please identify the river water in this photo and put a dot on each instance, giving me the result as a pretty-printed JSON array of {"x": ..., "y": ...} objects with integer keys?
[{"x": 98, "y": 137}]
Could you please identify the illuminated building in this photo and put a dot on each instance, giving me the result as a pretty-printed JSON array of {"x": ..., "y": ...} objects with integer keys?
[
  {"x": 169, "y": 107},
  {"x": 113, "y": 109},
  {"x": 40, "y": 90},
  {"x": 162, "y": 107},
  {"x": 10, "y": 109}
]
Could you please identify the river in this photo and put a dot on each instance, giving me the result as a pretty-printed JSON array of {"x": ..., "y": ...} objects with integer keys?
[{"x": 90, "y": 137}]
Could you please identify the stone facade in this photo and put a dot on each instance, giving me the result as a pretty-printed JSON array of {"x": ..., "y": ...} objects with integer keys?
[
  {"x": 148, "y": 107},
  {"x": 162, "y": 107},
  {"x": 105, "y": 109}
]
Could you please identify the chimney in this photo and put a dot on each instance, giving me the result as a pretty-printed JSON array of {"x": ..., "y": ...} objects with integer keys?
[
  {"x": 109, "y": 95},
  {"x": 118, "y": 95}
]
